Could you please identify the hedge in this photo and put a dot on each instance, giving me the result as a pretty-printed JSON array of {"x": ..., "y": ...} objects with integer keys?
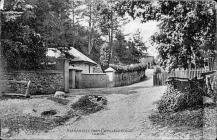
[{"x": 129, "y": 68}]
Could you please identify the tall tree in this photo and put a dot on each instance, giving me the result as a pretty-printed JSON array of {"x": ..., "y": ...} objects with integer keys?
[
  {"x": 110, "y": 24},
  {"x": 187, "y": 29},
  {"x": 107, "y": 23},
  {"x": 75, "y": 15},
  {"x": 22, "y": 46},
  {"x": 127, "y": 52},
  {"x": 92, "y": 16},
  {"x": 1, "y": 53},
  {"x": 138, "y": 40}
]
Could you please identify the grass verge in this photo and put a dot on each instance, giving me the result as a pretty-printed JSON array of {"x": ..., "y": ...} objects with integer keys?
[
  {"x": 192, "y": 118},
  {"x": 32, "y": 124}
]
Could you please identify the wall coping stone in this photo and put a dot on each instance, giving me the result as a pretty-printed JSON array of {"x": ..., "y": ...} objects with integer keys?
[
  {"x": 110, "y": 69},
  {"x": 93, "y": 73}
]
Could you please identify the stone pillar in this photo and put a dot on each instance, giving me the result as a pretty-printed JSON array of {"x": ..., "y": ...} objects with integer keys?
[
  {"x": 111, "y": 76},
  {"x": 66, "y": 75}
]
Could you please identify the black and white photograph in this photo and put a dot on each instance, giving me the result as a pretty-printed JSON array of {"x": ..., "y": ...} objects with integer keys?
[{"x": 108, "y": 69}]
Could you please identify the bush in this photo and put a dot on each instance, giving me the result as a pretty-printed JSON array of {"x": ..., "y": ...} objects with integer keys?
[{"x": 181, "y": 95}]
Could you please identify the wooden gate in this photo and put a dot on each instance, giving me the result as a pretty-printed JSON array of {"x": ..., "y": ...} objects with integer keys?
[
  {"x": 160, "y": 78},
  {"x": 74, "y": 78}
]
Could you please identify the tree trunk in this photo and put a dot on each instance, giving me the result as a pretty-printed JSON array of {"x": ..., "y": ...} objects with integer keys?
[
  {"x": 0, "y": 43},
  {"x": 73, "y": 22},
  {"x": 90, "y": 29},
  {"x": 1, "y": 57},
  {"x": 112, "y": 32},
  {"x": 215, "y": 59}
]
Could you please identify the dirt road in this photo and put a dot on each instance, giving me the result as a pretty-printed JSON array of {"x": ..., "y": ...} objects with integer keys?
[
  {"x": 123, "y": 118},
  {"x": 126, "y": 116}
]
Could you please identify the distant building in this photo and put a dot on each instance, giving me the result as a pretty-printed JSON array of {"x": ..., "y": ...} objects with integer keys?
[
  {"x": 209, "y": 61},
  {"x": 77, "y": 60},
  {"x": 147, "y": 59}
]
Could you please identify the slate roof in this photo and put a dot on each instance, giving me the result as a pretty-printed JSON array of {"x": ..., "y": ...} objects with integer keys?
[{"x": 78, "y": 56}]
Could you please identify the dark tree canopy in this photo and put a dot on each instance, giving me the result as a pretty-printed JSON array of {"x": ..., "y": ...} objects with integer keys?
[
  {"x": 187, "y": 29},
  {"x": 41, "y": 24}
]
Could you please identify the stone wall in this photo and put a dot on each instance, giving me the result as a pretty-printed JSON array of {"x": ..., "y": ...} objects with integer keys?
[
  {"x": 42, "y": 82},
  {"x": 127, "y": 78},
  {"x": 110, "y": 79},
  {"x": 94, "y": 80}
]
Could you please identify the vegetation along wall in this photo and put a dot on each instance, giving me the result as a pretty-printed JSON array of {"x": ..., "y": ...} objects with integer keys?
[
  {"x": 126, "y": 75},
  {"x": 127, "y": 78}
]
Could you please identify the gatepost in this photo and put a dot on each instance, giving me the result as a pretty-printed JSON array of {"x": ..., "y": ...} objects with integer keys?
[{"x": 111, "y": 75}]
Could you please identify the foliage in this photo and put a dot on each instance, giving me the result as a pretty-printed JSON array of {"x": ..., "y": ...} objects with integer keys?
[
  {"x": 58, "y": 23},
  {"x": 129, "y": 68},
  {"x": 110, "y": 23},
  {"x": 26, "y": 50},
  {"x": 128, "y": 52},
  {"x": 187, "y": 29},
  {"x": 124, "y": 52},
  {"x": 104, "y": 56},
  {"x": 51, "y": 22},
  {"x": 139, "y": 44},
  {"x": 181, "y": 94},
  {"x": 26, "y": 37}
]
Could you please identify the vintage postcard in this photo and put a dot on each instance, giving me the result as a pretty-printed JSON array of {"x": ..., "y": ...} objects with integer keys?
[{"x": 108, "y": 69}]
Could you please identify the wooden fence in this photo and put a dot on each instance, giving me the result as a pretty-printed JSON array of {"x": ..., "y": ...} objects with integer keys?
[{"x": 160, "y": 78}]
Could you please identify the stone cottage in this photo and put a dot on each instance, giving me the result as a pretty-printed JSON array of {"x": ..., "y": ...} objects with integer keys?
[{"x": 78, "y": 59}]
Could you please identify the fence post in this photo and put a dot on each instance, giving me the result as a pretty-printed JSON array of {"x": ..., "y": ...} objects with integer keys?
[{"x": 188, "y": 73}]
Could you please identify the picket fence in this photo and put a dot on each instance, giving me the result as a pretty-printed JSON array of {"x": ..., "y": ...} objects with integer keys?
[{"x": 160, "y": 78}]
